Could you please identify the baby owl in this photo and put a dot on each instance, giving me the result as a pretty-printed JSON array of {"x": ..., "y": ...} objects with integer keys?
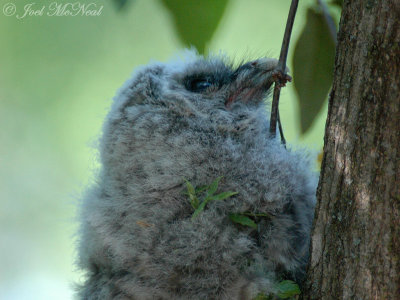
[{"x": 193, "y": 121}]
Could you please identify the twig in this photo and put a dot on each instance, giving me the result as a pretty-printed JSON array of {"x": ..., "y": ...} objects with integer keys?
[
  {"x": 281, "y": 130},
  {"x": 329, "y": 20},
  {"x": 282, "y": 69},
  {"x": 275, "y": 115}
]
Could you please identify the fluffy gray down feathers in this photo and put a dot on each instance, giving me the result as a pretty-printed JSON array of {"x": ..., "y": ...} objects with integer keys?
[{"x": 196, "y": 119}]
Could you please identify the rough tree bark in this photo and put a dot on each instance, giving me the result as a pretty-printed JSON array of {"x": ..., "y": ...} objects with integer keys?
[{"x": 355, "y": 248}]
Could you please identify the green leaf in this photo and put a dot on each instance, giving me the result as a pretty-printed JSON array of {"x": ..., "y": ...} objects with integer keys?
[
  {"x": 210, "y": 190},
  {"x": 287, "y": 289},
  {"x": 243, "y": 220},
  {"x": 213, "y": 187},
  {"x": 201, "y": 189},
  {"x": 190, "y": 188},
  {"x": 222, "y": 195},
  {"x": 195, "y": 20},
  {"x": 199, "y": 209},
  {"x": 194, "y": 201},
  {"x": 313, "y": 61}
]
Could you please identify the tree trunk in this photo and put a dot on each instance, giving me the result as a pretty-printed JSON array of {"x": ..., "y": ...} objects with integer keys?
[{"x": 355, "y": 248}]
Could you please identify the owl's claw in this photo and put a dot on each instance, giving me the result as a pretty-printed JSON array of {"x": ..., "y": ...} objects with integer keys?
[{"x": 281, "y": 78}]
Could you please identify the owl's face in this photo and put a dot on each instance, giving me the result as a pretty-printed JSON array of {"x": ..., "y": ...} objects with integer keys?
[
  {"x": 203, "y": 85},
  {"x": 215, "y": 84},
  {"x": 165, "y": 109}
]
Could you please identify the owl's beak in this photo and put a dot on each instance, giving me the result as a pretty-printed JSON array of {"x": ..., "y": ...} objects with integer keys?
[{"x": 252, "y": 81}]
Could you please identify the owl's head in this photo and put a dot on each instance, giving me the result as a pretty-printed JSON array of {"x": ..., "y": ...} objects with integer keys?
[{"x": 186, "y": 104}]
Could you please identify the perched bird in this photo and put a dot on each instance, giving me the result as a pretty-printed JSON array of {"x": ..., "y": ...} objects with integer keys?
[{"x": 195, "y": 120}]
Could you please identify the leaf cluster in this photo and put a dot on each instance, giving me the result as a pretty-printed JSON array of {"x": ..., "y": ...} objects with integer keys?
[
  {"x": 247, "y": 218},
  {"x": 200, "y": 196}
]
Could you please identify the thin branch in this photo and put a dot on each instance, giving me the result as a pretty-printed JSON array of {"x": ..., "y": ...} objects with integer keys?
[
  {"x": 286, "y": 37},
  {"x": 283, "y": 140},
  {"x": 329, "y": 20},
  {"x": 274, "y": 110},
  {"x": 282, "y": 70}
]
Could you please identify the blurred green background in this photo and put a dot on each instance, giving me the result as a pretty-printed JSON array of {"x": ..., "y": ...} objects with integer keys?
[{"x": 57, "y": 79}]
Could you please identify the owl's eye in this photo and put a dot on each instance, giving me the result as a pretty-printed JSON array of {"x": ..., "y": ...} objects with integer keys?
[{"x": 198, "y": 85}]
